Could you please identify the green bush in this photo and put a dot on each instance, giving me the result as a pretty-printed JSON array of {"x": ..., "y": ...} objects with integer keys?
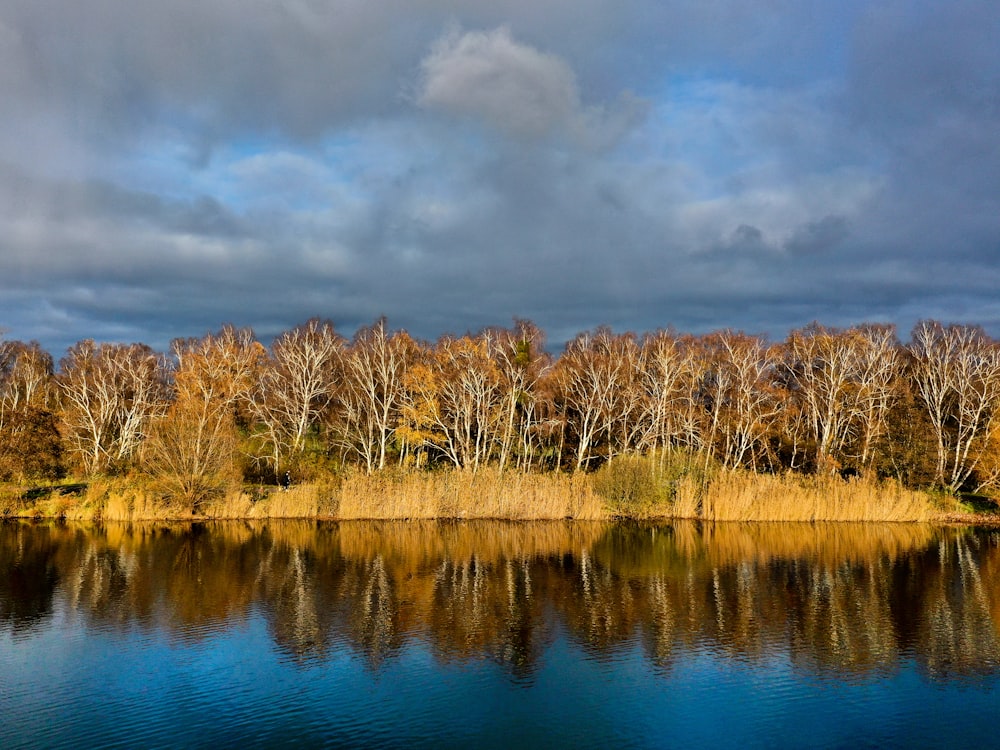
[
  {"x": 644, "y": 486},
  {"x": 634, "y": 486}
]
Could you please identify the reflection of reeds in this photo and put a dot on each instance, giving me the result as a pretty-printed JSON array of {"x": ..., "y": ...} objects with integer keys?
[
  {"x": 845, "y": 619},
  {"x": 738, "y": 496},
  {"x": 292, "y": 586},
  {"x": 654, "y": 549},
  {"x": 822, "y": 591},
  {"x": 956, "y": 622},
  {"x": 825, "y": 543},
  {"x": 423, "y": 544}
]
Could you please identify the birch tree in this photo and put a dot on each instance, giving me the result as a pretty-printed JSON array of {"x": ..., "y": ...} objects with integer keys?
[
  {"x": 25, "y": 376},
  {"x": 824, "y": 371},
  {"x": 373, "y": 391},
  {"x": 471, "y": 399},
  {"x": 669, "y": 373},
  {"x": 880, "y": 366},
  {"x": 30, "y": 444},
  {"x": 956, "y": 370},
  {"x": 520, "y": 361},
  {"x": 110, "y": 393},
  {"x": 296, "y": 386},
  {"x": 739, "y": 391},
  {"x": 596, "y": 378}
]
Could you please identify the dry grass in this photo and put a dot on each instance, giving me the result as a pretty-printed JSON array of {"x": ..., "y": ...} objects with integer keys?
[
  {"x": 485, "y": 494},
  {"x": 491, "y": 494},
  {"x": 133, "y": 505},
  {"x": 738, "y": 496},
  {"x": 57, "y": 501},
  {"x": 688, "y": 495},
  {"x": 300, "y": 501}
]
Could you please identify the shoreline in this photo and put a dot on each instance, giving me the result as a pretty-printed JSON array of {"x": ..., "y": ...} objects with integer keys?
[
  {"x": 983, "y": 520},
  {"x": 496, "y": 496}
]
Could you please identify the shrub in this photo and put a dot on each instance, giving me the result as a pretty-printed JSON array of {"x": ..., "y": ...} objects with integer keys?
[{"x": 634, "y": 486}]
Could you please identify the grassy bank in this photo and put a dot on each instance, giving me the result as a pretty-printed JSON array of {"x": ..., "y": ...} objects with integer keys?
[{"x": 637, "y": 488}]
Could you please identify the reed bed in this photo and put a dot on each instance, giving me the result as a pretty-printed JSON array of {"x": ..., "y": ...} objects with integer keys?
[
  {"x": 486, "y": 494},
  {"x": 133, "y": 505},
  {"x": 132, "y": 536},
  {"x": 739, "y": 496},
  {"x": 634, "y": 488},
  {"x": 301, "y": 501}
]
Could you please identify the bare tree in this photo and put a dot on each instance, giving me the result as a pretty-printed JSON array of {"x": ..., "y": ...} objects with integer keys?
[
  {"x": 520, "y": 360},
  {"x": 669, "y": 373},
  {"x": 25, "y": 376},
  {"x": 825, "y": 369},
  {"x": 110, "y": 393},
  {"x": 30, "y": 445},
  {"x": 596, "y": 378},
  {"x": 459, "y": 388},
  {"x": 296, "y": 386},
  {"x": 373, "y": 391},
  {"x": 739, "y": 390},
  {"x": 220, "y": 369},
  {"x": 956, "y": 370},
  {"x": 878, "y": 377}
]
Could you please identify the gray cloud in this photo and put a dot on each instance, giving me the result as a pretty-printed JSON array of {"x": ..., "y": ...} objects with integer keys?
[
  {"x": 172, "y": 166},
  {"x": 818, "y": 236},
  {"x": 120, "y": 70}
]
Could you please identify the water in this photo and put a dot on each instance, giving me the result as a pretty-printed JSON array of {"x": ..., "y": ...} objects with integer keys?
[{"x": 498, "y": 635}]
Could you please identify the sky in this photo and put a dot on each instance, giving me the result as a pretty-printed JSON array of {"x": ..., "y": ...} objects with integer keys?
[{"x": 169, "y": 167}]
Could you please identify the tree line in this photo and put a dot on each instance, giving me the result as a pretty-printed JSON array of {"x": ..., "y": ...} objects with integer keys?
[{"x": 224, "y": 408}]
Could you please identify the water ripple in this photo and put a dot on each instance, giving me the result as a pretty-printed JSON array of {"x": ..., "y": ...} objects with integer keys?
[{"x": 435, "y": 644}]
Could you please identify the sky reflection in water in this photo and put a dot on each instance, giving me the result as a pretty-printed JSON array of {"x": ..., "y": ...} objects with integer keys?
[{"x": 500, "y": 635}]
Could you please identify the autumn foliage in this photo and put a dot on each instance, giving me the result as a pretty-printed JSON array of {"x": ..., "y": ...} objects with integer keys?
[{"x": 223, "y": 409}]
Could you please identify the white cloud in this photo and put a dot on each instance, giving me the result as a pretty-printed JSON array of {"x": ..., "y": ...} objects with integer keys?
[{"x": 489, "y": 76}]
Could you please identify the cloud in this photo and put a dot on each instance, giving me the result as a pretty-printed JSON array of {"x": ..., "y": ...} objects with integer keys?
[
  {"x": 167, "y": 167},
  {"x": 818, "y": 236},
  {"x": 490, "y": 77},
  {"x": 122, "y": 71},
  {"x": 918, "y": 63},
  {"x": 487, "y": 75},
  {"x": 922, "y": 92}
]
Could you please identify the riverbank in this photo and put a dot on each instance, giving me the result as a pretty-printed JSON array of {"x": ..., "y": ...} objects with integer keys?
[{"x": 630, "y": 492}]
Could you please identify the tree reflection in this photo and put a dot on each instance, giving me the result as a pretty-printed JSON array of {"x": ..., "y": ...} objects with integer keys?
[
  {"x": 852, "y": 600},
  {"x": 957, "y": 631},
  {"x": 31, "y": 574},
  {"x": 489, "y": 608}
]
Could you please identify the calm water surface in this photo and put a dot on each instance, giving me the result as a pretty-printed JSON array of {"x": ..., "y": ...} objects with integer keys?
[{"x": 498, "y": 635}]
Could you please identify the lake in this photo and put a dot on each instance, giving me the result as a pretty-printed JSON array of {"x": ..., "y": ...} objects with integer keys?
[{"x": 498, "y": 635}]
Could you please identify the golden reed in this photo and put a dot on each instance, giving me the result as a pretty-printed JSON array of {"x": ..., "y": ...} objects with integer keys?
[
  {"x": 487, "y": 493},
  {"x": 744, "y": 496},
  {"x": 492, "y": 494}
]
